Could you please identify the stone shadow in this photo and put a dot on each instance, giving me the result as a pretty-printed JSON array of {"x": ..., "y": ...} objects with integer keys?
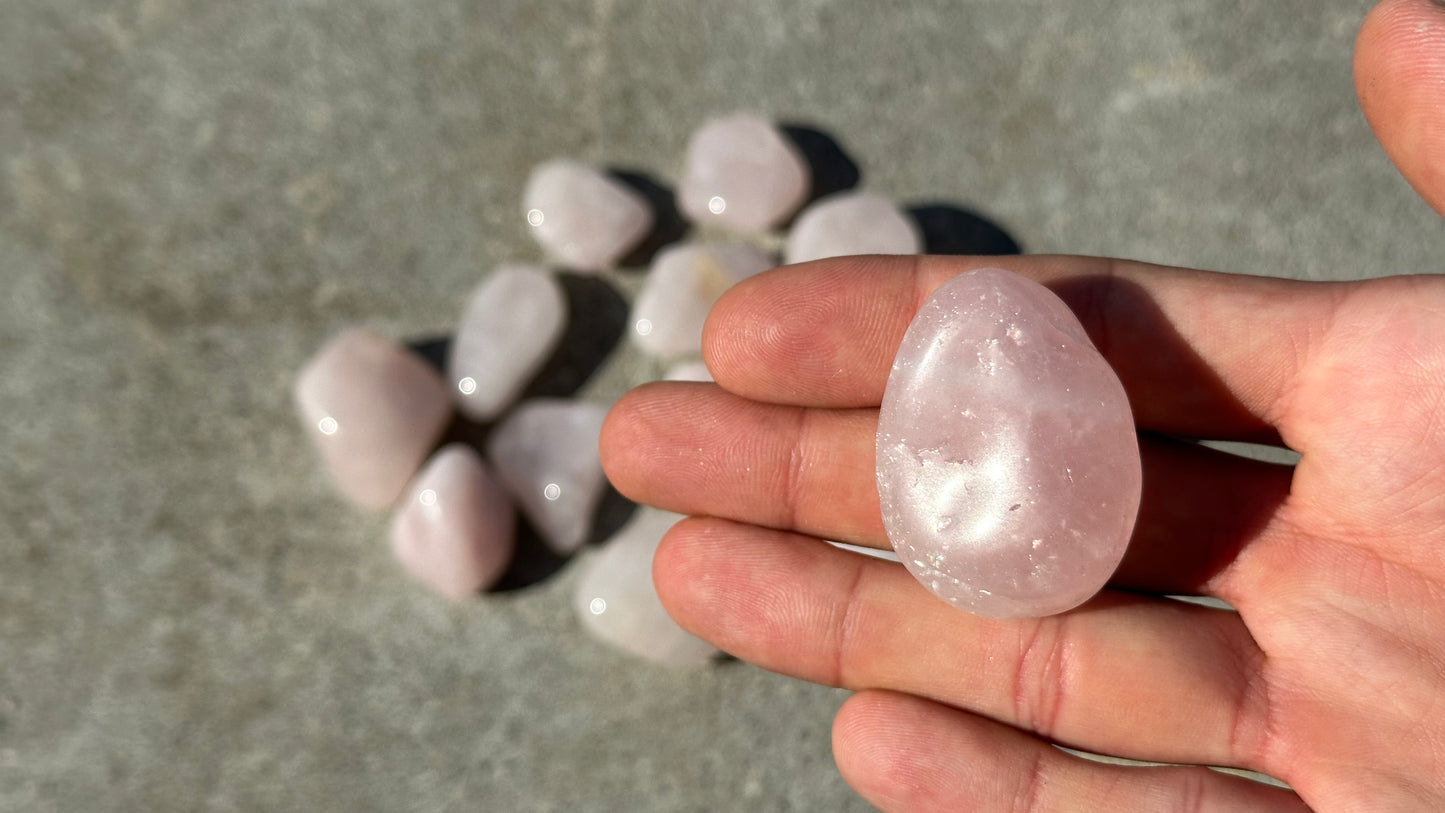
[
  {"x": 950, "y": 229},
  {"x": 596, "y": 321},
  {"x": 833, "y": 170},
  {"x": 669, "y": 226}
]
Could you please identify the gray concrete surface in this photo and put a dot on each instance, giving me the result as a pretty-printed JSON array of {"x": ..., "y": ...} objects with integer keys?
[{"x": 194, "y": 194}]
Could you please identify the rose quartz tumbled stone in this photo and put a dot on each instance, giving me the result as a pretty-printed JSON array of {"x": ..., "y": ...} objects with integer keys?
[
  {"x": 582, "y": 218},
  {"x": 374, "y": 411},
  {"x": 511, "y": 323},
  {"x": 455, "y": 529},
  {"x": 1008, "y": 465},
  {"x": 684, "y": 283},
  {"x": 617, "y": 602},
  {"x": 743, "y": 174},
  {"x": 545, "y": 453},
  {"x": 849, "y": 224}
]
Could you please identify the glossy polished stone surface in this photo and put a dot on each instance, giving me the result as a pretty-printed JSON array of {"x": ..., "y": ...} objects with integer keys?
[
  {"x": 684, "y": 283},
  {"x": 617, "y": 602},
  {"x": 582, "y": 218},
  {"x": 848, "y": 224},
  {"x": 742, "y": 174},
  {"x": 374, "y": 411},
  {"x": 455, "y": 529},
  {"x": 545, "y": 453},
  {"x": 1008, "y": 465},
  {"x": 511, "y": 323}
]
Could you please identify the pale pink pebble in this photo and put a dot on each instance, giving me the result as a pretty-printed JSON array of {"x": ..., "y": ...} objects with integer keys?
[
  {"x": 684, "y": 283},
  {"x": 692, "y": 370},
  {"x": 849, "y": 224},
  {"x": 583, "y": 219},
  {"x": 511, "y": 323},
  {"x": 617, "y": 602},
  {"x": 743, "y": 174},
  {"x": 1008, "y": 465},
  {"x": 455, "y": 530},
  {"x": 373, "y": 410},
  {"x": 545, "y": 453}
]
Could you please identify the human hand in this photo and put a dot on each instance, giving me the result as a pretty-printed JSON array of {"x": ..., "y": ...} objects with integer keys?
[{"x": 1330, "y": 675}]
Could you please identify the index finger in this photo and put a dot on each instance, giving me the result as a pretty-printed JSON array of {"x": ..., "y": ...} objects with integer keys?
[{"x": 1201, "y": 354}]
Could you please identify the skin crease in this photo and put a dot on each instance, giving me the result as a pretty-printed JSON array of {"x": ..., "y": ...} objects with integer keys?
[{"x": 1330, "y": 677}]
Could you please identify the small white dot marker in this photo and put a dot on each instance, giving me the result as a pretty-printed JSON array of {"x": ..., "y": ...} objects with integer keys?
[
  {"x": 552, "y": 491},
  {"x": 535, "y": 217},
  {"x": 597, "y": 606},
  {"x": 644, "y": 327},
  {"x": 427, "y": 497},
  {"x": 717, "y": 205},
  {"x": 328, "y": 425},
  {"x": 467, "y": 385}
]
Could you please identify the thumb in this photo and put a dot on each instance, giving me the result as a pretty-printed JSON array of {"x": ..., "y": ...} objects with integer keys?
[{"x": 1400, "y": 78}]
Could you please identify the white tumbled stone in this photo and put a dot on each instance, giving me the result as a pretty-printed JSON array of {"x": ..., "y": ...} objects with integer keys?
[
  {"x": 848, "y": 224},
  {"x": 584, "y": 219},
  {"x": 684, "y": 283},
  {"x": 455, "y": 529},
  {"x": 511, "y": 323},
  {"x": 690, "y": 370},
  {"x": 545, "y": 453},
  {"x": 373, "y": 411},
  {"x": 618, "y": 603},
  {"x": 1008, "y": 466},
  {"x": 743, "y": 174}
]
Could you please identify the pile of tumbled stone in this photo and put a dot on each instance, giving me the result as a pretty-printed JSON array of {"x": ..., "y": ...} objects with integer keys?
[{"x": 376, "y": 411}]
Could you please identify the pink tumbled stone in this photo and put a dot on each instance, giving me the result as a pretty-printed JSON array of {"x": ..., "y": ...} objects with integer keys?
[
  {"x": 617, "y": 602},
  {"x": 455, "y": 529},
  {"x": 512, "y": 322},
  {"x": 742, "y": 173},
  {"x": 684, "y": 283},
  {"x": 545, "y": 454},
  {"x": 849, "y": 224},
  {"x": 582, "y": 218},
  {"x": 1008, "y": 465},
  {"x": 373, "y": 410}
]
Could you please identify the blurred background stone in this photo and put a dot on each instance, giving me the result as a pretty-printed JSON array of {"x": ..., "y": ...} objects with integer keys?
[
  {"x": 455, "y": 528},
  {"x": 848, "y": 224},
  {"x": 373, "y": 412},
  {"x": 511, "y": 324},
  {"x": 741, "y": 173},
  {"x": 194, "y": 196},
  {"x": 682, "y": 285},
  {"x": 584, "y": 219},
  {"x": 617, "y": 602},
  {"x": 545, "y": 453}
]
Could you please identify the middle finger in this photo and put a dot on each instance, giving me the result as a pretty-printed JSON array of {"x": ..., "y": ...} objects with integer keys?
[{"x": 697, "y": 449}]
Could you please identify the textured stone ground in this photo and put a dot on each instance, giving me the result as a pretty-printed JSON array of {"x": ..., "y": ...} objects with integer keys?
[{"x": 193, "y": 195}]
